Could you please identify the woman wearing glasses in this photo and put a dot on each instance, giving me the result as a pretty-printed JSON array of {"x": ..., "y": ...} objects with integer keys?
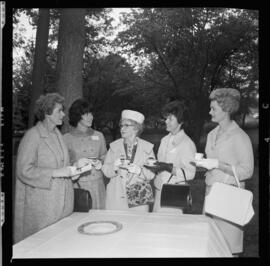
[{"x": 124, "y": 162}]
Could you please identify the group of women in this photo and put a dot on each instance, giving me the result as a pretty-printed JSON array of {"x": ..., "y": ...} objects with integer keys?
[{"x": 45, "y": 180}]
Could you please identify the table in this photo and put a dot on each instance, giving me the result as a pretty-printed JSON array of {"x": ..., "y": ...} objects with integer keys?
[{"x": 143, "y": 235}]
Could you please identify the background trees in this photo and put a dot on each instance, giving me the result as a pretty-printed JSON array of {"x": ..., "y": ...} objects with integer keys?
[
  {"x": 192, "y": 51},
  {"x": 162, "y": 54}
]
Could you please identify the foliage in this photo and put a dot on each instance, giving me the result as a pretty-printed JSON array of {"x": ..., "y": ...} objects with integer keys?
[
  {"x": 108, "y": 82},
  {"x": 194, "y": 50},
  {"x": 176, "y": 53}
]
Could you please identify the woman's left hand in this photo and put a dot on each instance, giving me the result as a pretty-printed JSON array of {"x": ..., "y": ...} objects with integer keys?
[
  {"x": 82, "y": 162},
  {"x": 207, "y": 163},
  {"x": 97, "y": 164},
  {"x": 134, "y": 169}
]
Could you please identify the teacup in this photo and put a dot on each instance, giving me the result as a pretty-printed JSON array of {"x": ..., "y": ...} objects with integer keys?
[
  {"x": 151, "y": 161},
  {"x": 198, "y": 156}
]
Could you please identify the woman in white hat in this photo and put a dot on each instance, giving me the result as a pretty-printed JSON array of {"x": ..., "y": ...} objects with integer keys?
[
  {"x": 123, "y": 164},
  {"x": 227, "y": 145}
]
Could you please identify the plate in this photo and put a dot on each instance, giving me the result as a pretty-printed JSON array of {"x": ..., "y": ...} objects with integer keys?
[{"x": 100, "y": 227}]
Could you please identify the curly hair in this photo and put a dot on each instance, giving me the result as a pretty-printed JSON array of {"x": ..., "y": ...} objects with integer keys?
[
  {"x": 175, "y": 108},
  {"x": 45, "y": 104},
  {"x": 227, "y": 98},
  {"x": 78, "y": 108}
]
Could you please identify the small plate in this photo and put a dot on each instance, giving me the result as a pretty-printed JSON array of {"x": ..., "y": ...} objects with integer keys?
[{"x": 100, "y": 227}]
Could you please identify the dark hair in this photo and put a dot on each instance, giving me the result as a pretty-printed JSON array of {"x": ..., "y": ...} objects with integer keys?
[
  {"x": 45, "y": 104},
  {"x": 175, "y": 108},
  {"x": 78, "y": 108}
]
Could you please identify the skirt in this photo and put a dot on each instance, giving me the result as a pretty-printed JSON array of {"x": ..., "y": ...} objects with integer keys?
[{"x": 233, "y": 234}]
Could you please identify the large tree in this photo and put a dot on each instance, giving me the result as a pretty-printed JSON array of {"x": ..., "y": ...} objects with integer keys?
[
  {"x": 71, "y": 43},
  {"x": 39, "y": 60}
]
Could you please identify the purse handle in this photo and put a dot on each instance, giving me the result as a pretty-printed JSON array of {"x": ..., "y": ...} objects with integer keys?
[
  {"x": 183, "y": 175},
  {"x": 77, "y": 181},
  {"x": 235, "y": 176}
]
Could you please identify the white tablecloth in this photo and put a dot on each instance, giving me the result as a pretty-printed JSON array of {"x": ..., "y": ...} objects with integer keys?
[{"x": 142, "y": 235}]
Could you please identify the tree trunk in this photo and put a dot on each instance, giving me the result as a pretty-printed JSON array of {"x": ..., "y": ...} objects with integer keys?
[
  {"x": 70, "y": 57},
  {"x": 39, "y": 60}
]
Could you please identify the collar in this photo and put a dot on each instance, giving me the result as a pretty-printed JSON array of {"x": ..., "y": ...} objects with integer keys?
[
  {"x": 45, "y": 129},
  {"x": 178, "y": 135},
  {"x": 79, "y": 133},
  {"x": 135, "y": 142},
  {"x": 233, "y": 126}
]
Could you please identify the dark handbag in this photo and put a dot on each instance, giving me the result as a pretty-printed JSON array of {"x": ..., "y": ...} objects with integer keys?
[
  {"x": 82, "y": 200},
  {"x": 176, "y": 195},
  {"x": 139, "y": 193}
]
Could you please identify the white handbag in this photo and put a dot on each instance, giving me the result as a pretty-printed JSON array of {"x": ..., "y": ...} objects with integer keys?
[{"x": 229, "y": 202}]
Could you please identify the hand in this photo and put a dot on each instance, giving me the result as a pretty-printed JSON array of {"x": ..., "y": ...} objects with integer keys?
[
  {"x": 116, "y": 164},
  {"x": 134, "y": 169},
  {"x": 161, "y": 166},
  {"x": 207, "y": 163},
  {"x": 97, "y": 164},
  {"x": 64, "y": 172},
  {"x": 75, "y": 177},
  {"x": 82, "y": 162}
]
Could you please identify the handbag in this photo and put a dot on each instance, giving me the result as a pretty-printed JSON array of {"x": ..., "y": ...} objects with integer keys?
[
  {"x": 139, "y": 193},
  {"x": 82, "y": 200},
  {"x": 176, "y": 195},
  {"x": 229, "y": 202}
]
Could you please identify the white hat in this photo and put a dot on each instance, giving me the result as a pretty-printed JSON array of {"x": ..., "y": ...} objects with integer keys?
[{"x": 133, "y": 115}]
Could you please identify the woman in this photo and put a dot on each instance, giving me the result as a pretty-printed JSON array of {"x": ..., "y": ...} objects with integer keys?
[
  {"x": 134, "y": 152},
  {"x": 175, "y": 152},
  {"x": 83, "y": 142},
  {"x": 227, "y": 145},
  {"x": 44, "y": 191}
]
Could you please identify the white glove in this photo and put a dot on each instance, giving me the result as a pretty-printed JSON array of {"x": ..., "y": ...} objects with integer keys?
[
  {"x": 207, "y": 163},
  {"x": 116, "y": 164},
  {"x": 97, "y": 164},
  {"x": 73, "y": 170},
  {"x": 134, "y": 169}
]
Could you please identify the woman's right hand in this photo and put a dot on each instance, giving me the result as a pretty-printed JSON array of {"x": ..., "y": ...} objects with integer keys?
[
  {"x": 67, "y": 171},
  {"x": 116, "y": 164}
]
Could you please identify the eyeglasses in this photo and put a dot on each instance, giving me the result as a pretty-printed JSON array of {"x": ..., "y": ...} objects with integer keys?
[{"x": 125, "y": 125}]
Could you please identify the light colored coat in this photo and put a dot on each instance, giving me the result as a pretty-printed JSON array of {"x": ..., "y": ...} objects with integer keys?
[
  {"x": 180, "y": 152},
  {"x": 116, "y": 198},
  {"x": 233, "y": 147},
  {"x": 40, "y": 200}
]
